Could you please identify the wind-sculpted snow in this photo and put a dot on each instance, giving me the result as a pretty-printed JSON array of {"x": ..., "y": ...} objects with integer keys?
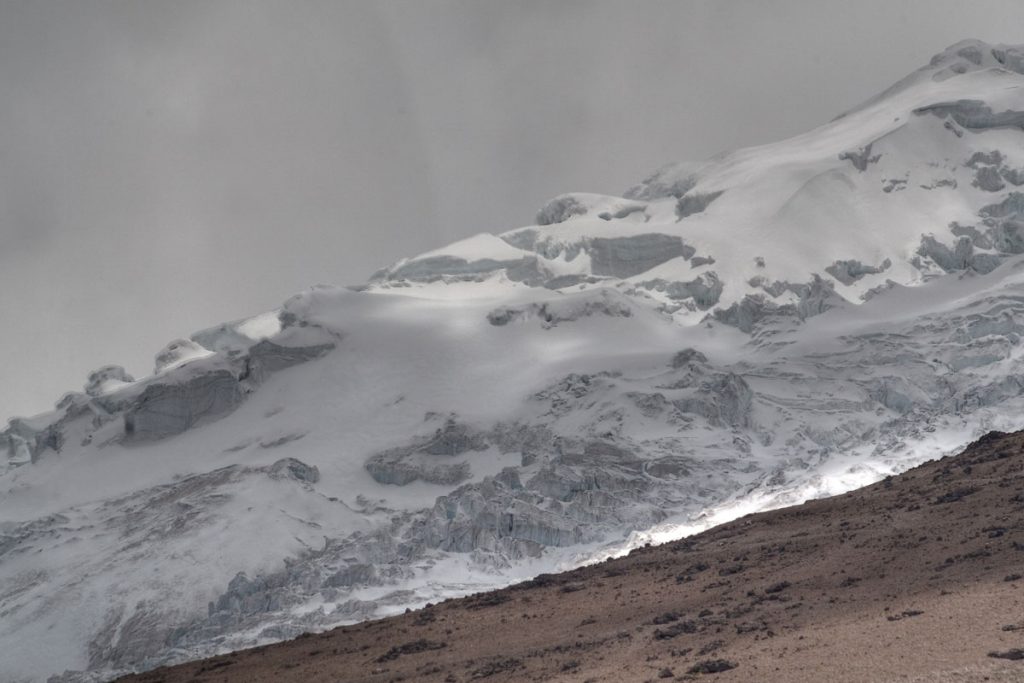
[{"x": 773, "y": 324}]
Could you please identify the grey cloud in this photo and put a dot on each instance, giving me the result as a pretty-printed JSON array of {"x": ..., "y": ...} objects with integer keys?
[{"x": 168, "y": 165}]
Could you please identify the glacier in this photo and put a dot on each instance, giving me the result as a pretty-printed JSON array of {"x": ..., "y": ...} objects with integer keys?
[{"x": 773, "y": 324}]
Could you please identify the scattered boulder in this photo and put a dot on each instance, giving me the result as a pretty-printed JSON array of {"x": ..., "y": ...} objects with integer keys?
[{"x": 712, "y": 666}]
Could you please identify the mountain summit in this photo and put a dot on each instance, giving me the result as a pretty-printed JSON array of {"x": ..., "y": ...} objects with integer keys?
[{"x": 774, "y": 324}]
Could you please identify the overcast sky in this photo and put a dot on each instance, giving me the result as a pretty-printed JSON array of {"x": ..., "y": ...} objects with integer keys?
[{"x": 165, "y": 166}]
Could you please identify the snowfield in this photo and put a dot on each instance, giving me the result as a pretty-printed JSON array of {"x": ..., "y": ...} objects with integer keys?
[{"x": 774, "y": 324}]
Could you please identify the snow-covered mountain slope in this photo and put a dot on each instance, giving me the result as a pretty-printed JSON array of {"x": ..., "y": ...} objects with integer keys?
[{"x": 776, "y": 323}]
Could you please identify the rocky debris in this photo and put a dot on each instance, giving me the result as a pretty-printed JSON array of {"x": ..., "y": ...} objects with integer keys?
[
  {"x": 849, "y": 271},
  {"x": 988, "y": 179},
  {"x": 410, "y": 648},
  {"x": 496, "y": 666},
  {"x": 939, "y": 183},
  {"x": 890, "y": 185},
  {"x": 861, "y": 157},
  {"x": 712, "y": 666}
]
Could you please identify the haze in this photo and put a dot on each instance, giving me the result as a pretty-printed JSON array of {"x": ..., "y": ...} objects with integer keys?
[{"x": 168, "y": 166}]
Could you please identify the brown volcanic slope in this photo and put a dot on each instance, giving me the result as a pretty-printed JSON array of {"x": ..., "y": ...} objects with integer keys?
[{"x": 916, "y": 578}]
